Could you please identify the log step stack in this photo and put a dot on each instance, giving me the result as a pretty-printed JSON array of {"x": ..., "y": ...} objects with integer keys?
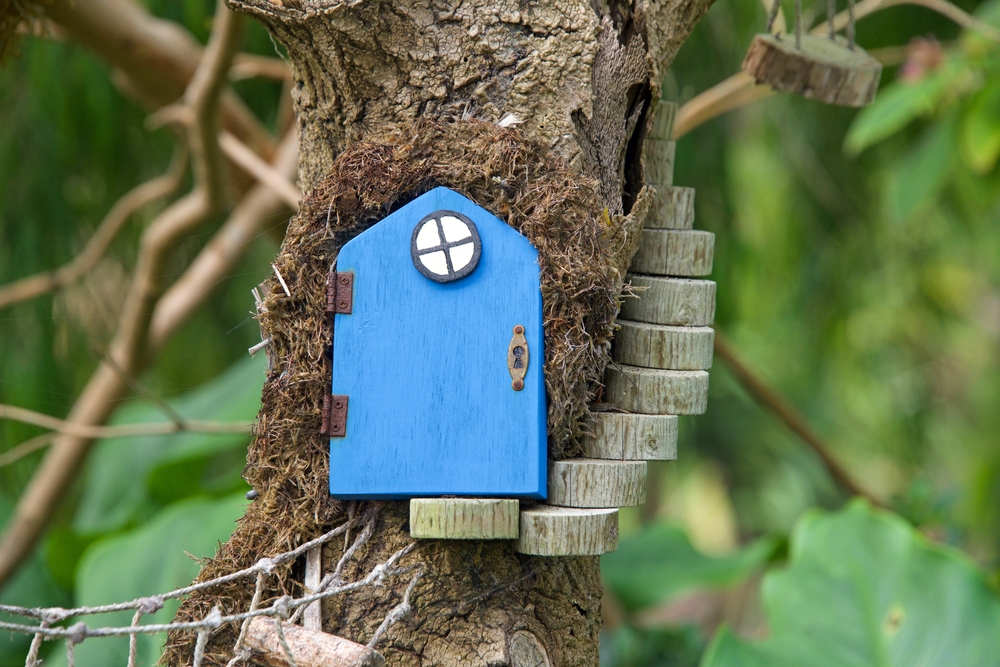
[{"x": 661, "y": 353}]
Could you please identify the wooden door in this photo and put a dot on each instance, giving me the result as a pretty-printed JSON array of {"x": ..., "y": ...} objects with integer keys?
[{"x": 425, "y": 358}]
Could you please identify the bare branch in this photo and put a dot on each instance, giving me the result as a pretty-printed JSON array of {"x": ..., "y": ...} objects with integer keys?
[
  {"x": 251, "y": 217},
  {"x": 27, "y": 416},
  {"x": 249, "y": 66},
  {"x": 202, "y": 97},
  {"x": 128, "y": 347},
  {"x": 136, "y": 198},
  {"x": 769, "y": 398},
  {"x": 265, "y": 174},
  {"x": 18, "y": 452},
  {"x": 154, "y": 58},
  {"x": 732, "y": 93}
]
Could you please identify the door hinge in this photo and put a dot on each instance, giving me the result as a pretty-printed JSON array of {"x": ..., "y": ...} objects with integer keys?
[
  {"x": 340, "y": 292},
  {"x": 334, "y": 416}
]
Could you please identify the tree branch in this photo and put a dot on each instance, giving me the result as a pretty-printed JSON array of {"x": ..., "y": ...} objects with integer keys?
[
  {"x": 138, "y": 197},
  {"x": 265, "y": 174},
  {"x": 740, "y": 89},
  {"x": 251, "y": 217},
  {"x": 155, "y": 58},
  {"x": 26, "y": 416},
  {"x": 128, "y": 347},
  {"x": 249, "y": 66},
  {"x": 770, "y": 399}
]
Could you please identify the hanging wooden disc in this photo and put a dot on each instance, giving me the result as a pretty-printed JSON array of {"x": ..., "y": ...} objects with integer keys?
[{"x": 823, "y": 69}]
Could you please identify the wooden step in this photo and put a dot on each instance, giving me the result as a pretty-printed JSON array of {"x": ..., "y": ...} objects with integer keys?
[
  {"x": 623, "y": 436},
  {"x": 567, "y": 531},
  {"x": 659, "y": 162},
  {"x": 667, "y": 252},
  {"x": 674, "y": 301},
  {"x": 597, "y": 483},
  {"x": 463, "y": 518},
  {"x": 663, "y": 121},
  {"x": 652, "y": 391},
  {"x": 673, "y": 208},
  {"x": 662, "y": 346}
]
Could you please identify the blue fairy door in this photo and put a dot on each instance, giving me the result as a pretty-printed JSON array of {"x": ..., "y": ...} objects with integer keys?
[{"x": 439, "y": 362}]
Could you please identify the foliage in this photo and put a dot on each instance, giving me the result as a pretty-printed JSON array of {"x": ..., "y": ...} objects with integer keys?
[
  {"x": 659, "y": 564},
  {"x": 858, "y": 264},
  {"x": 865, "y": 588},
  {"x": 159, "y": 556},
  {"x": 146, "y": 504}
]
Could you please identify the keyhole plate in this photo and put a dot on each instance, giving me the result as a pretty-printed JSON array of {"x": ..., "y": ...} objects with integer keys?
[{"x": 517, "y": 358}]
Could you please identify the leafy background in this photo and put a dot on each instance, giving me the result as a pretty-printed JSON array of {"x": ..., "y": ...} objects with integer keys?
[{"x": 858, "y": 263}]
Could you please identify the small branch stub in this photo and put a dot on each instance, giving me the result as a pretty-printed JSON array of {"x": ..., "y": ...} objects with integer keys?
[
  {"x": 823, "y": 69},
  {"x": 308, "y": 647}
]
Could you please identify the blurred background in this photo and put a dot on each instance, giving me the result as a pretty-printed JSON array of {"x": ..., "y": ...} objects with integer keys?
[{"x": 858, "y": 270}]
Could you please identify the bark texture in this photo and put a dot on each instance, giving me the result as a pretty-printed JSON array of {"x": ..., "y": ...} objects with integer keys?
[{"x": 579, "y": 77}]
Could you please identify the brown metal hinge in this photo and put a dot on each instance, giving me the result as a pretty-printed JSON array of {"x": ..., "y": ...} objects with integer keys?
[
  {"x": 334, "y": 416},
  {"x": 340, "y": 292}
]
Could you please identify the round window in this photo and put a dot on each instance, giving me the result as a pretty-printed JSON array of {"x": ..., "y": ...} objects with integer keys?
[{"x": 445, "y": 246}]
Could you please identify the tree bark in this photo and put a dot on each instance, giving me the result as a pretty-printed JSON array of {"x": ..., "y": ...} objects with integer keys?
[{"x": 580, "y": 77}]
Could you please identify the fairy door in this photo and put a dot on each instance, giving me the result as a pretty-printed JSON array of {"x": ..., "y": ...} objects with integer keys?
[{"x": 439, "y": 362}]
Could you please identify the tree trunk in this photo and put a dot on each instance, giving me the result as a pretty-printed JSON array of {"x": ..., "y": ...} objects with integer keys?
[{"x": 580, "y": 77}]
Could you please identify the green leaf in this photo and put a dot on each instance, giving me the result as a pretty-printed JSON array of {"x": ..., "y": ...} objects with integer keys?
[
  {"x": 32, "y": 586},
  {"x": 894, "y": 108},
  {"x": 865, "y": 589},
  {"x": 151, "y": 560},
  {"x": 980, "y": 133},
  {"x": 129, "y": 477},
  {"x": 660, "y": 563},
  {"x": 923, "y": 171}
]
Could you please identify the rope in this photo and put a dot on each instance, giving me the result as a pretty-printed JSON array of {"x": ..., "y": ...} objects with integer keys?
[
  {"x": 773, "y": 14},
  {"x": 282, "y": 609},
  {"x": 798, "y": 24},
  {"x": 850, "y": 24}
]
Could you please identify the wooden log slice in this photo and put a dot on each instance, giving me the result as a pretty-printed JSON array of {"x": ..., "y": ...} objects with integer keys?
[
  {"x": 567, "y": 531},
  {"x": 660, "y": 156},
  {"x": 677, "y": 301},
  {"x": 673, "y": 208},
  {"x": 597, "y": 483},
  {"x": 309, "y": 648},
  {"x": 652, "y": 391},
  {"x": 463, "y": 518},
  {"x": 823, "y": 69},
  {"x": 661, "y": 346},
  {"x": 624, "y": 436},
  {"x": 667, "y": 252},
  {"x": 663, "y": 121}
]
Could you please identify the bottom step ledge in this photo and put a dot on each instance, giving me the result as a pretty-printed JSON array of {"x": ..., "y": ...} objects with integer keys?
[
  {"x": 567, "y": 531},
  {"x": 309, "y": 648},
  {"x": 464, "y": 518}
]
